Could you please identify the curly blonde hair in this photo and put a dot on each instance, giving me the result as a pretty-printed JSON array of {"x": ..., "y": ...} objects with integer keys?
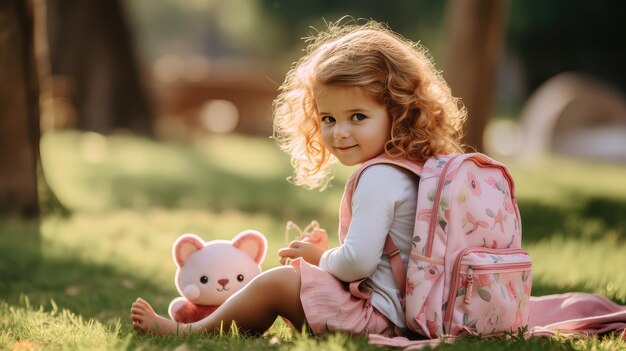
[{"x": 426, "y": 119}]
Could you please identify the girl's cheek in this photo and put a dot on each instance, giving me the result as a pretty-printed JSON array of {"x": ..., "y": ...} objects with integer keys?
[{"x": 326, "y": 136}]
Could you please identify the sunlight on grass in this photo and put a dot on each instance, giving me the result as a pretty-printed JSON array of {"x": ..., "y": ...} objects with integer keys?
[
  {"x": 611, "y": 343},
  {"x": 88, "y": 182},
  {"x": 556, "y": 181},
  {"x": 221, "y": 173},
  {"x": 142, "y": 241},
  {"x": 595, "y": 266},
  {"x": 130, "y": 198},
  {"x": 29, "y": 328},
  {"x": 245, "y": 156}
]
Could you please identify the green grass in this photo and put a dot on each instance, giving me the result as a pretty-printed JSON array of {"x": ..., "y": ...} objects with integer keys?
[{"x": 67, "y": 281}]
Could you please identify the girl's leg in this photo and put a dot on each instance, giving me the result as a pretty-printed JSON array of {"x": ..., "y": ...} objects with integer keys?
[{"x": 254, "y": 308}]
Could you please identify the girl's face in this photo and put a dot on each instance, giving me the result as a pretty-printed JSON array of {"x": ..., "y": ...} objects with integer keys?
[{"x": 354, "y": 126}]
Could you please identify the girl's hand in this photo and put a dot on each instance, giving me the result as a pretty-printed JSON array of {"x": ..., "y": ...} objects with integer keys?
[
  {"x": 310, "y": 252},
  {"x": 319, "y": 238}
]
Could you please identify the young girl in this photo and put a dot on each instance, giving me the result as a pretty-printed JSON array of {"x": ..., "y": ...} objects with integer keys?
[{"x": 359, "y": 92}]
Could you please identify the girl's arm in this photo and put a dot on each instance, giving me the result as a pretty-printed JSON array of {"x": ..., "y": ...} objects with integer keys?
[{"x": 376, "y": 196}]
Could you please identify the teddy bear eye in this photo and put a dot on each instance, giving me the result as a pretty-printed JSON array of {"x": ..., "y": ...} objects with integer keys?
[
  {"x": 240, "y": 277},
  {"x": 204, "y": 279}
]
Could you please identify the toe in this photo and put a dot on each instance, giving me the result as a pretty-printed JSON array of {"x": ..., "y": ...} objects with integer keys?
[
  {"x": 137, "y": 312},
  {"x": 143, "y": 303}
]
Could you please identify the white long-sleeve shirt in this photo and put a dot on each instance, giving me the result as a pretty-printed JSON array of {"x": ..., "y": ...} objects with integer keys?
[{"x": 384, "y": 202}]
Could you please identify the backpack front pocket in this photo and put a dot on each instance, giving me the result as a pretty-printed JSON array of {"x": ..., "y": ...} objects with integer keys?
[{"x": 489, "y": 291}]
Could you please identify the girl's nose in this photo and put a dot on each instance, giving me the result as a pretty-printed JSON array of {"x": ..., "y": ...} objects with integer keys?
[
  {"x": 223, "y": 282},
  {"x": 341, "y": 131}
]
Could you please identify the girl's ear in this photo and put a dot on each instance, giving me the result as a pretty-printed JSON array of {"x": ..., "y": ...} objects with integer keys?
[
  {"x": 184, "y": 246},
  {"x": 252, "y": 243}
]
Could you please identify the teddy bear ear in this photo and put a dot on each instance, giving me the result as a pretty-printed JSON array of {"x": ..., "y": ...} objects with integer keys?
[
  {"x": 184, "y": 246},
  {"x": 252, "y": 243}
]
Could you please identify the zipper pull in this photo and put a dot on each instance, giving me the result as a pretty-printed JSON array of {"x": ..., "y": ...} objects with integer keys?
[{"x": 470, "y": 285}]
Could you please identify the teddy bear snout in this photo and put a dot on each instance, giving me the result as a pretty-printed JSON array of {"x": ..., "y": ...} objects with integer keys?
[
  {"x": 191, "y": 292},
  {"x": 223, "y": 282}
]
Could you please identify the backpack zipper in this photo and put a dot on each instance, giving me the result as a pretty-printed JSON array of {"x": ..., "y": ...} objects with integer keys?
[
  {"x": 455, "y": 277},
  {"x": 510, "y": 267},
  {"x": 496, "y": 267}
]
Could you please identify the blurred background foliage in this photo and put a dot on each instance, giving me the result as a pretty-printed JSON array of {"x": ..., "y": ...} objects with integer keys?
[
  {"x": 542, "y": 38},
  {"x": 268, "y": 31}
]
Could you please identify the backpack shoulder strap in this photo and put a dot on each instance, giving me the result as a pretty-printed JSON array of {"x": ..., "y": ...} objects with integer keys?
[
  {"x": 397, "y": 267},
  {"x": 390, "y": 248},
  {"x": 345, "y": 211}
]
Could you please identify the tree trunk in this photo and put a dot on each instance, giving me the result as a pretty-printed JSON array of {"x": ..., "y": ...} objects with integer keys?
[
  {"x": 90, "y": 44},
  {"x": 19, "y": 110},
  {"x": 473, "y": 45}
]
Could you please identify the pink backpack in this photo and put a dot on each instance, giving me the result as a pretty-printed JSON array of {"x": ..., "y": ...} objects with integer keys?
[{"x": 467, "y": 272}]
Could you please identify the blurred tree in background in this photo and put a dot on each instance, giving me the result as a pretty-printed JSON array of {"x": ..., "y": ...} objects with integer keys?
[
  {"x": 92, "y": 57},
  {"x": 19, "y": 110},
  {"x": 474, "y": 41},
  {"x": 266, "y": 30}
]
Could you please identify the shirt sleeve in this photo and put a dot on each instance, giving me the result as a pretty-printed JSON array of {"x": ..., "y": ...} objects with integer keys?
[{"x": 373, "y": 203}]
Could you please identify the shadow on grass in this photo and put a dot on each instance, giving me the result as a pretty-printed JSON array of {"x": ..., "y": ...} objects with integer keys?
[
  {"x": 541, "y": 289},
  {"x": 591, "y": 219},
  {"x": 611, "y": 211},
  {"x": 89, "y": 290}
]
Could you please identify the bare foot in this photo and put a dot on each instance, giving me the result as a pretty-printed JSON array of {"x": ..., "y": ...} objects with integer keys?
[{"x": 146, "y": 320}]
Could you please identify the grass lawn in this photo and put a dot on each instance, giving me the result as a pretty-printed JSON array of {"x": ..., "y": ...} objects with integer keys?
[{"x": 67, "y": 281}]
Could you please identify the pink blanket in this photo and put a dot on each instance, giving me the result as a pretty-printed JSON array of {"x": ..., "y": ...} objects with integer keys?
[{"x": 573, "y": 314}]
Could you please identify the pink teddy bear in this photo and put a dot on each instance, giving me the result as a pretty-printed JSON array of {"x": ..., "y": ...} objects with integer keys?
[{"x": 208, "y": 273}]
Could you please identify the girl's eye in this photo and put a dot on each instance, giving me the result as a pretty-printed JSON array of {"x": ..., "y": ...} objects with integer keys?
[
  {"x": 328, "y": 119},
  {"x": 358, "y": 117}
]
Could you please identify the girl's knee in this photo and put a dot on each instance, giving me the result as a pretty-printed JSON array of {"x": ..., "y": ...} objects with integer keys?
[{"x": 278, "y": 279}]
